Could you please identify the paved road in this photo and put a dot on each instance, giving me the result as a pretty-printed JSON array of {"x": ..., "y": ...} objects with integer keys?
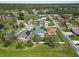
[{"x": 76, "y": 48}]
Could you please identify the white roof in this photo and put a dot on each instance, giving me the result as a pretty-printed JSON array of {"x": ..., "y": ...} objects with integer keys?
[{"x": 43, "y": 17}]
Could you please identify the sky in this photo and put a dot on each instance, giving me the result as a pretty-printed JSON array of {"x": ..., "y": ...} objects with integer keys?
[{"x": 39, "y": 1}]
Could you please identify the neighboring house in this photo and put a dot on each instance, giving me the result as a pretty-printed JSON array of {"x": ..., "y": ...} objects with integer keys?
[
  {"x": 30, "y": 27},
  {"x": 30, "y": 21},
  {"x": 69, "y": 26},
  {"x": 11, "y": 17},
  {"x": 75, "y": 31},
  {"x": 59, "y": 17},
  {"x": 20, "y": 21},
  {"x": 46, "y": 24},
  {"x": 42, "y": 15},
  {"x": 0, "y": 17},
  {"x": 39, "y": 32},
  {"x": 43, "y": 18},
  {"x": 40, "y": 21},
  {"x": 51, "y": 30},
  {"x": 23, "y": 39}
]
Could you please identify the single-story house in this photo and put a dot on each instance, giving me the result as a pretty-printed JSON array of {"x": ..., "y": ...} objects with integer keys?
[
  {"x": 46, "y": 24},
  {"x": 39, "y": 32},
  {"x": 40, "y": 20},
  {"x": 11, "y": 16},
  {"x": 20, "y": 21},
  {"x": 51, "y": 30},
  {"x": 30, "y": 27},
  {"x": 75, "y": 31},
  {"x": 30, "y": 21}
]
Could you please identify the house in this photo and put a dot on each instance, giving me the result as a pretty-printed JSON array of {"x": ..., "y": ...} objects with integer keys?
[
  {"x": 75, "y": 31},
  {"x": 11, "y": 16},
  {"x": 23, "y": 39},
  {"x": 51, "y": 31},
  {"x": 20, "y": 21},
  {"x": 39, "y": 32},
  {"x": 30, "y": 26},
  {"x": 43, "y": 18},
  {"x": 59, "y": 17},
  {"x": 30, "y": 21},
  {"x": 46, "y": 24},
  {"x": 40, "y": 20}
]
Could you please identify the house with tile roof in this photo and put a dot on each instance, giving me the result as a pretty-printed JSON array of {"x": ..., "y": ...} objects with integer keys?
[{"x": 51, "y": 30}]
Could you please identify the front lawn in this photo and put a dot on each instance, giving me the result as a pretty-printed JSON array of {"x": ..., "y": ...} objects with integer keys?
[{"x": 74, "y": 37}]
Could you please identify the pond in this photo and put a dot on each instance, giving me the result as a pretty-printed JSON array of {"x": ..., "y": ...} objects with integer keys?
[{"x": 1, "y": 26}]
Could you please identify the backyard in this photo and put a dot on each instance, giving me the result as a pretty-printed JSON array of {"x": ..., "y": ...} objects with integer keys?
[{"x": 63, "y": 50}]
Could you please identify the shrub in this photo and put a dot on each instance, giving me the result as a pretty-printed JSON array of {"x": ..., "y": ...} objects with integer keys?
[
  {"x": 20, "y": 45},
  {"x": 29, "y": 43},
  {"x": 37, "y": 38},
  {"x": 7, "y": 43},
  {"x": 50, "y": 40}
]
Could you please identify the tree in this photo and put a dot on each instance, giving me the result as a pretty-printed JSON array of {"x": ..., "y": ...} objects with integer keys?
[
  {"x": 50, "y": 40},
  {"x": 7, "y": 43},
  {"x": 21, "y": 16},
  {"x": 29, "y": 43},
  {"x": 37, "y": 38},
  {"x": 20, "y": 45}
]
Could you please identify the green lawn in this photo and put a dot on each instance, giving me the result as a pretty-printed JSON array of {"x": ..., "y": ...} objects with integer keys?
[
  {"x": 60, "y": 24},
  {"x": 66, "y": 30},
  {"x": 77, "y": 44},
  {"x": 73, "y": 22},
  {"x": 40, "y": 50},
  {"x": 51, "y": 24},
  {"x": 74, "y": 37}
]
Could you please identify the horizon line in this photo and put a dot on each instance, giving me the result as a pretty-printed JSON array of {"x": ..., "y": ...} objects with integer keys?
[{"x": 40, "y": 2}]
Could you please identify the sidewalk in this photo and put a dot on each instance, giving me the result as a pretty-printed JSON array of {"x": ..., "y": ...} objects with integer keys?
[{"x": 76, "y": 42}]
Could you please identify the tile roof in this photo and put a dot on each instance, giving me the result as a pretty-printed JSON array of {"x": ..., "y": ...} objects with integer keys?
[{"x": 50, "y": 30}]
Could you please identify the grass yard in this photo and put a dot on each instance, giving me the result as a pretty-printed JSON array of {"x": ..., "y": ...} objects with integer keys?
[
  {"x": 73, "y": 22},
  {"x": 66, "y": 30},
  {"x": 74, "y": 37},
  {"x": 77, "y": 44},
  {"x": 60, "y": 24},
  {"x": 40, "y": 50}
]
